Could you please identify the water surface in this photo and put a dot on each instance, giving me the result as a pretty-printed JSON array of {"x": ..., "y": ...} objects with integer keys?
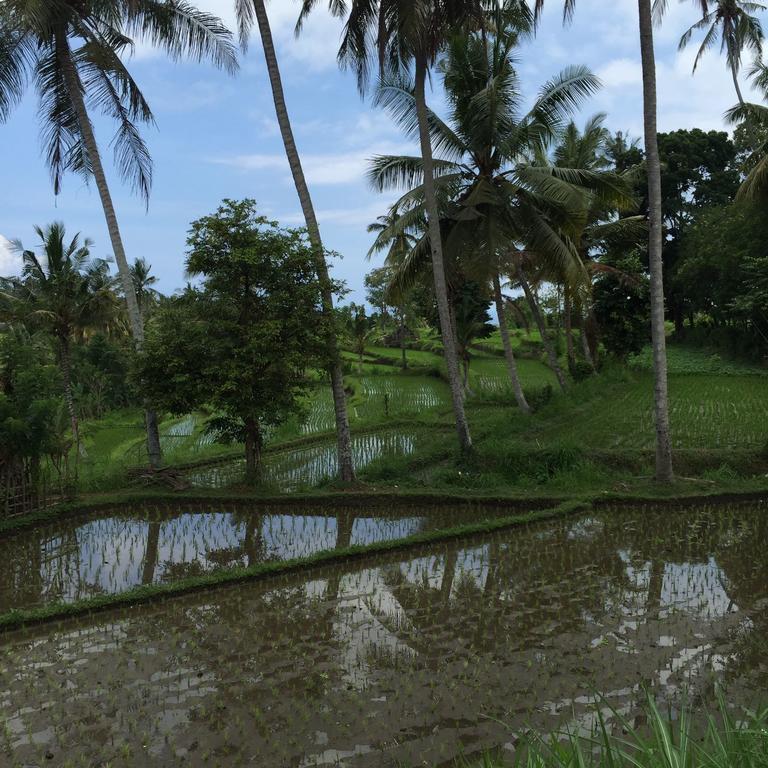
[
  {"x": 107, "y": 553},
  {"x": 406, "y": 659}
]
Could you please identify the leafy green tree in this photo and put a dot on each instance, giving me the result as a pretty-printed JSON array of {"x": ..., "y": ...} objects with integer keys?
[
  {"x": 622, "y": 307},
  {"x": 31, "y": 408},
  {"x": 57, "y": 293},
  {"x": 75, "y": 52},
  {"x": 255, "y": 11},
  {"x": 737, "y": 26},
  {"x": 241, "y": 342},
  {"x": 700, "y": 171},
  {"x": 724, "y": 265}
]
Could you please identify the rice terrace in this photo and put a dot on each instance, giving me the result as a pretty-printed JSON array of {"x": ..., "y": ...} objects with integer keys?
[{"x": 383, "y": 384}]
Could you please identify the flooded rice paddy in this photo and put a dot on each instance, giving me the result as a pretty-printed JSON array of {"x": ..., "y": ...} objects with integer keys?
[
  {"x": 409, "y": 658},
  {"x": 79, "y": 558},
  {"x": 308, "y": 466}
]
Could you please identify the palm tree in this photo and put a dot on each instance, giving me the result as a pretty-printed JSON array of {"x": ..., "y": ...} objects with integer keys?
[
  {"x": 664, "y": 469},
  {"x": 493, "y": 198},
  {"x": 401, "y": 34},
  {"x": 63, "y": 293},
  {"x": 588, "y": 149},
  {"x": 74, "y": 53},
  {"x": 143, "y": 280},
  {"x": 734, "y": 22},
  {"x": 397, "y": 242},
  {"x": 248, "y": 12},
  {"x": 755, "y": 185}
]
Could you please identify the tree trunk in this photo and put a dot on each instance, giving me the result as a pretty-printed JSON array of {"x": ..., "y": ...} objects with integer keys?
[
  {"x": 66, "y": 375},
  {"x": 252, "y": 451},
  {"x": 344, "y": 440},
  {"x": 438, "y": 268},
  {"x": 539, "y": 320},
  {"x": 402, "y": 341},
  {"x": 150, "y": 553},
  {"x": 664, "y": 470},
  {"x": 568, "y": 320},
  {"x": 585, "y": 342},
  {"x": 74, "y": 89},
  {"x": 735, "y": 72},
  {"x": 509, "y": 355}
]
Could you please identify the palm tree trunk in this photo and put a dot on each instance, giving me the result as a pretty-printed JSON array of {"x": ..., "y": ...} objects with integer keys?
[
  {"x": 664, "y": 470},
  {"x": 734, "y": 67},
  {"x": 151, "y": 552},
  {"x": 585, "y": 342},
  {"x": 438, "y": 268},
  {"x": 401, "y": 320},
  {"x": 546, "y": 341},
  {"x": 568, "y": 321},
  {"x": 74, "y": 89},
  {"x": 344, "y": 440},
  {"x": 509, "y": 355}
]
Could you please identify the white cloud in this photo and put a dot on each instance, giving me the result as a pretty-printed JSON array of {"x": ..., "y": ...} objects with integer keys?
[
  {"x": 620, "y": 72},
  {"x": 10, "y": 261},
  {"x": 320, "y": 169}
]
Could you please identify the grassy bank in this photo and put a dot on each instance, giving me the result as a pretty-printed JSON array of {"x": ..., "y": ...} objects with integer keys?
[{"x": 689, "y": 741}]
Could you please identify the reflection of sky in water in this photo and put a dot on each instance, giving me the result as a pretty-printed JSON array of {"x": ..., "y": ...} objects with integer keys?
[
  {"x": 109, "y": 555},
  {"x": 384, "y": 642},
  {"x": 698, "y": 588}
]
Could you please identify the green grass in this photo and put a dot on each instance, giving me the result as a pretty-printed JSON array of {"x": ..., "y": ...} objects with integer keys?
[
  {"x": 692, "y": 360},
  {"x": 721, "y": 741}
]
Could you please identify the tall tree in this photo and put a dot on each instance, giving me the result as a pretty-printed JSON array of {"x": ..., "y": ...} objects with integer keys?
[
  {"x": 735, "y": 23},
  {"x": 242, "y": 342},
  {"x": 664, "y": 468},
  {"x": 248, "y": 12},
  {"x": 57, "y": 293},
  {"x": 495, "y": 197},
  {"x": 74, "y": 51},
  {"x": 402, "y": 35}
]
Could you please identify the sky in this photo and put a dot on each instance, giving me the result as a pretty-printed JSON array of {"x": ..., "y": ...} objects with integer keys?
[{"x": 217, "y": 137}]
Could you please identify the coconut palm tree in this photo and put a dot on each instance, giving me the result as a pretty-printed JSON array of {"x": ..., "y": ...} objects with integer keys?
[
  {"x": 248, "y": 13},
  {"x": 664, "y": 468},
  {"x": 74, "y": 52},
  {"x": 143, "y": 280},
  {"x": 588, "y": 149},
  {"x": 494, "y": 199},
  {"x": 735, "y": 24},
  {"x": 755, "y": 185},
  {"x": 400, "y": 35},
  {"x": 61, "y": 292}
]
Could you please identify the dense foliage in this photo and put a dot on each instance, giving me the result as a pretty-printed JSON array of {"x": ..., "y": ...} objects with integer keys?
[{"x": 242, "y": 342}]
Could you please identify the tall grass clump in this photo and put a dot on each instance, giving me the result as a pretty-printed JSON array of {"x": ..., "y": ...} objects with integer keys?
[{"x": 721, "y": 741}]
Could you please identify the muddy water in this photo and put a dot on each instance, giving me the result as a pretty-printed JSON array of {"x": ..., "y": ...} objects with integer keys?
[
  {"x": 308, "y": 466},
  {"x": 109, "y": 553},
  {"x": 408, "y": 659}
]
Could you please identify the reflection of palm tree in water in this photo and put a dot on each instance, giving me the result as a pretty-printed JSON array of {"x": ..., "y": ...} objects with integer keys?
[
  {"x": 151, "y": 552},
  {"x": 345, "y": 521}
]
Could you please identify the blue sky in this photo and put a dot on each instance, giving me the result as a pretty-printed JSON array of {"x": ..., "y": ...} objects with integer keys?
[{"x": 217, "y": 136}]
